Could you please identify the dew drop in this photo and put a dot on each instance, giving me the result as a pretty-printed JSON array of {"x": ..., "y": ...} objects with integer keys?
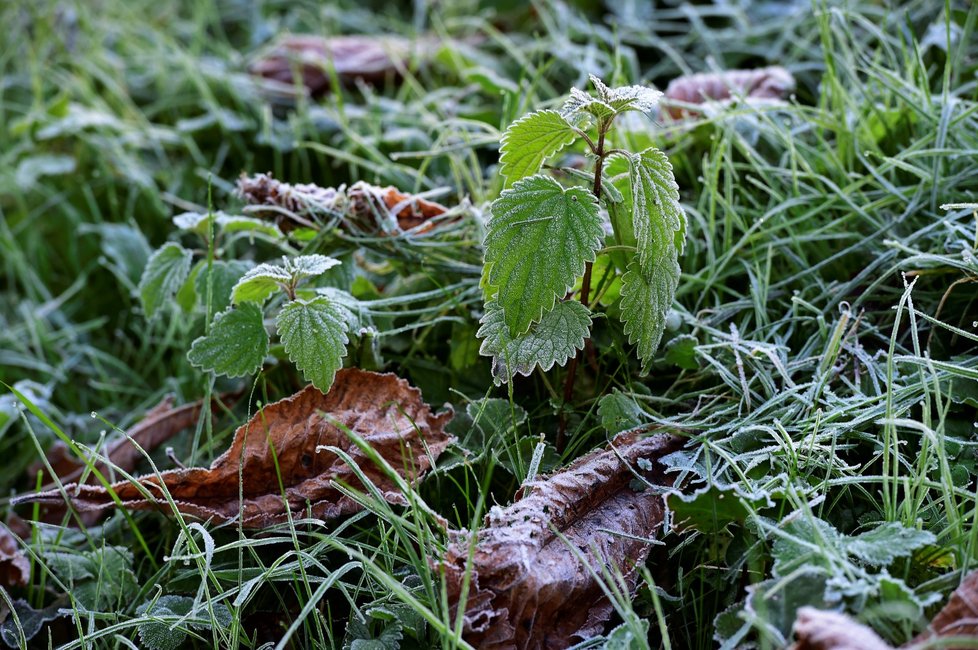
[{"x": 94, "y": 415}]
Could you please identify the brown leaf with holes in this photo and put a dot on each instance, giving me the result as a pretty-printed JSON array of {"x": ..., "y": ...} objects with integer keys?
[
  {"x": 768, "y": 83},
  {"x": 286, "y": 440},
  {"x": 817, "y": 629},
  {"x": 959, "y": 618},
  {"x": 159, "y": 425},
  {"x": 372, "y": 59},
  {"x": 15, "y": 568},
  {"x": 528, "y": 588}
]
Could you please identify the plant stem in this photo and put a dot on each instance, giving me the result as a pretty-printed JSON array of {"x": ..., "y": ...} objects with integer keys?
[{"x": 585, "y": 292}]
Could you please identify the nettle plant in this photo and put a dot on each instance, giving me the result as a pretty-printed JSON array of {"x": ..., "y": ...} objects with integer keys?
[
  {"x": 314, "y": 324},
  {"x": 544, "y": 238}
]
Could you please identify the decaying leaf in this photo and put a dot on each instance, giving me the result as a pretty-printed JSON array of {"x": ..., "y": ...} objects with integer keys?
[
  {"x": 372, "y": 59},
  {"x": 15, "y": 568},
  {"x": 959, "y": 618},
  {"x": 280, "y": 451},
  {"x": 363, "y": 207},
  {"x": 161, "y": 423},
  {"x": 388, "y": 209},
  {"x": 818, "y": 629},
  {"x": 528, "y": 588},
  {"x": 763, "y": 83}
]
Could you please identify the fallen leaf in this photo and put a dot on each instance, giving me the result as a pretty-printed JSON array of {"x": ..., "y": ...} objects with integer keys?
[
  {"x": 762, "y": 83},
  {"x": 959, "y": 618},
  {"x": 528, "y": 588},
  {"x": 372, "y": 59},
  {"x": 291, "y": 205},
  {"x": 15, "y": 568},
  {"x": 286, "y": 440},
  {"x": 818, "y": 629},
  {"x": 160, "y": 423},
  {"x": 375, "y": 208}
]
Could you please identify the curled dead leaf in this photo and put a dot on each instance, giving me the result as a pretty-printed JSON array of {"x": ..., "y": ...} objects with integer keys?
[
  {"x": 771, "y": 83},
  {"x": 15, "y": 568},
  {"x": 364, "y": 208},
  {"x": 160, "y": 424},
  {"x": 279, "y": 451},
  {"x": 817, "y": 629},
  {"x": 372, "y": 59},
  {"x": 528, "y": 588}
]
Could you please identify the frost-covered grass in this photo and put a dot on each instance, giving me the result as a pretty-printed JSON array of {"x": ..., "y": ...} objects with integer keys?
[{"x": 824, "y": 364}]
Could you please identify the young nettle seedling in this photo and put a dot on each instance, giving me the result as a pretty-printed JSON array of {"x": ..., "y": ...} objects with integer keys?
[{"x": 544, "y": 236}]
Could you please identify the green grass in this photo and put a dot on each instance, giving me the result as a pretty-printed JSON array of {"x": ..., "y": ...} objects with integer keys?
[{"x": 829, "y": 296}]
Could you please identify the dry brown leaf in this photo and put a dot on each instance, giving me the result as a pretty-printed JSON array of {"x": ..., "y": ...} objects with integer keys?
[
  {"x": 160, "y": 423},
  {"x": 528, "y": 589},
  {"x": 371, "y": 207},
  {"x": 15, "y": 568},
  {"x": 763, "y": 83},
  {"x": 370, "y": 58},
  {"x": 958, "y": 618},
  {"x": 817, "y": 629},
  {"x": 387, "y": 412}
]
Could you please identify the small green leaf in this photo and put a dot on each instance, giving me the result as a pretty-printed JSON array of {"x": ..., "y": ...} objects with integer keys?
[
  {"x": 529, "y": 141},
  {"x": 620, "y": 412},
  {"x": 236, "y": 344},
  {"x": 657, "y": 216},
  {"x": 540, "y": 238},
  {"x": 711, "y": 509},
  {"x": 167, "y": 633},
  {"x": 187, "y": 295},
  {"x": 681, "y": 351},
  {"x": 307, "y": 266},
  {"x": 97, "y": 579},
  {"x": 259, "y": 283},
  {"x": 314, "y": 335},
  {"x": 555, "y": 339},
  {"x": 610, "y": 101},
  {"x": 165, "y": 271}
]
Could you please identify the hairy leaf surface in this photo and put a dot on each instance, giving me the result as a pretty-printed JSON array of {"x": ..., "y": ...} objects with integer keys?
[
  {"x": 236, "y": 344},
  {"x": 555, "y": 339},
  {"x": 165, "y": 271},
  {"x": 540, "y": 237},
  {"x": 644, "y": 303},
  {"x": 314, "y": 335},
  {"x": 529, "y": 141},
  {"x": 278, "y": 462}
]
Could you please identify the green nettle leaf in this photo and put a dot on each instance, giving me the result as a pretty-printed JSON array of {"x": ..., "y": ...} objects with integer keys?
[
  {"x": 529, "y": 141},
  {"x": 164, "y": 274},
  {"x": 555, "y": 339},
  {"x": 620, "y": 412},
  {"x": 657, "y": 214},
  {"x": 889, "y": 541},
  {"x": 236, "y": 344},
  {"x": 307, "y": 266},
  {"x": 540, "y": 237},
  {"x": 166, "y": 633},
  {"x": 262, "y": 281},
  {"x": 644, "y": 303},
  {"x": 314, "y": 335},
  {"x": 97, "y": 579},
  {"x": 259, "y": 283},
  {"x": 649, "y": 286},
  {"x": 611, "y": 101}
]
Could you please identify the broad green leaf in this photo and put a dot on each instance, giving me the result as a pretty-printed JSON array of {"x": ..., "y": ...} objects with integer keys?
[
  {"x": 555, "y": 339},
  {"x": 169, "y": 631},
  {"x": 236, "y": 344},
  {"x": 233, "y": 223},
  {"x": 259, "y": 283},
  {"x": 711, "y": 509},
  {"x": 97, "y": 579},
  {"x": 529, "y": 141},
  {"x": 887, "y": 542},
  {"x": 644, "y": 303},
  {"x": 314, "y": 335},
  {"x": 165, "y": 272},
  {"x": 681, "y": 351},
  {"x": 540, "y": 238}
]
